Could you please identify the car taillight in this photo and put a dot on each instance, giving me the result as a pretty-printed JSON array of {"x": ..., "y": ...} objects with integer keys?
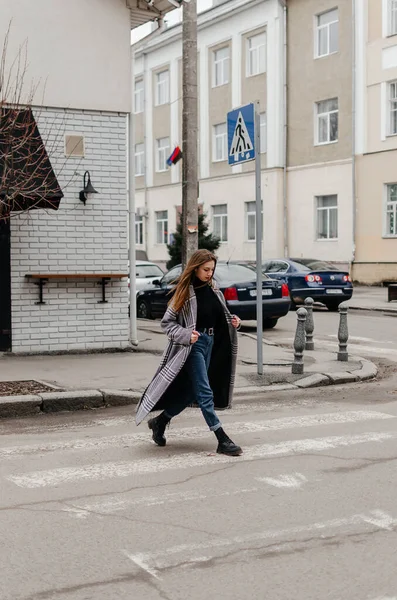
[
  {"x": 230, "y": 293},
  {"x": 284, "y": 290},
  {"x": 346, "y": 278},
  {"x": 313, "y": 279}
]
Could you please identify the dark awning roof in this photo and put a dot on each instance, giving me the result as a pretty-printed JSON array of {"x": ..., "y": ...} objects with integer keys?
[{"x": 27, "y": 179}]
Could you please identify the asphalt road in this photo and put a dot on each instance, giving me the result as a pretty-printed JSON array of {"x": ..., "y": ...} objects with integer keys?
[{"x": 90, "y": 508}]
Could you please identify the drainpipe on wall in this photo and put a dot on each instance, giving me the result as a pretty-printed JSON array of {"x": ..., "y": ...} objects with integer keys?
[
  {"x": 285, "y": 135},
  {"x": 354, "y": 186},
  {"x": 145, "y": 162},
  {"x": 133, "y": 332}
]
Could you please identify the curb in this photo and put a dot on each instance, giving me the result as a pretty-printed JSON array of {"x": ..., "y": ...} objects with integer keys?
[
  {"x": 50, "y": 402},
  {"x": 385, "y": 309}
]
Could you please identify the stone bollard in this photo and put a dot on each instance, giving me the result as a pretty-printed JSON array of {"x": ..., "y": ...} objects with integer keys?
[
  {"x": 309, "y": 326},
  {"x": 343, "y": 333},
  {"x": 299, "y": 342}
]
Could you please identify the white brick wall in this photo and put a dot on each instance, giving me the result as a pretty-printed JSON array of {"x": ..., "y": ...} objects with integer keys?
[{"x": 75, "y": 239}]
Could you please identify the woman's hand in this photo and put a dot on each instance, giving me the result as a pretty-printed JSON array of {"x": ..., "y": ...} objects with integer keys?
[
  {"x": 236, "y": 322},
  {"x": 194, "y": 337}
]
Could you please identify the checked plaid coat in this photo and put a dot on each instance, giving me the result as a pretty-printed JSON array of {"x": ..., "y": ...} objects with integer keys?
[{"x": 179, "y": 327}]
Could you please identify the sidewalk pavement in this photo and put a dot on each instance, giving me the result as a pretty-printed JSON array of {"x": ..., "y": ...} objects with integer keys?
[
  {"x": 78, "y": 381},
  {"x": 366, "y": 297}
]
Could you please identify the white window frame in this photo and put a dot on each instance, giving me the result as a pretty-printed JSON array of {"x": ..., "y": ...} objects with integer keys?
[
  {"x": 222, "y": 139},
  {"x": 263, "y": 129},
  {"x": 220, "y": 66},
  {"x": 162, "y": 153},
  {"x": 391, "y": 107},
  {"x": 391, "y": 17},
  {"x": 328, "y": 210},
  {"x": 139, "y": 160},
  {"x": 163, "y": 220},
  {"x": 223, "y": 218},
  {"x": 139, "y": 96},
  {"x": 319, "y": 28},
  {"x": 390, "y": 206},
  {"x": 250, "y": 211},
  {"x": 326, "y": 114},
  {"x": 162, "y": 87},
  {"x": 139, "y": 239},
  {"x": 254, "y": 54}
]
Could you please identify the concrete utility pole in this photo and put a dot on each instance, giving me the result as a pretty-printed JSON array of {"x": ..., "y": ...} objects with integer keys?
[{"x": 189, "y": 132}]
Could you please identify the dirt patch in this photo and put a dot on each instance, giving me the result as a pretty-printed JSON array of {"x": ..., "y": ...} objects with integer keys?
[{"x": 21, "y": 388}]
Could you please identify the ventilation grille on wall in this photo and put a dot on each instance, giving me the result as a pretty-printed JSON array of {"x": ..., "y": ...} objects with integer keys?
[{"x": 74, "y": 145}]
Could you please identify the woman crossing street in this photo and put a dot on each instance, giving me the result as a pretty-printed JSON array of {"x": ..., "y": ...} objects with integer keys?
[{"x": 199, "y": 362}]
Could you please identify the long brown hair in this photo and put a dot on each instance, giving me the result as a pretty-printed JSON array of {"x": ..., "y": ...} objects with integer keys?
[{"x": 181, "y": 293}]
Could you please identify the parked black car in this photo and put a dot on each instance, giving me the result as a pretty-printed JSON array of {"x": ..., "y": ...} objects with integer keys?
[
  {"x": 238, "y": 284},
  {"x": 308, "y": 277}
]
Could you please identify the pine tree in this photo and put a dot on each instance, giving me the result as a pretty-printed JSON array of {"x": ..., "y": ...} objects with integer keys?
[{"x": 205, "y": 240}]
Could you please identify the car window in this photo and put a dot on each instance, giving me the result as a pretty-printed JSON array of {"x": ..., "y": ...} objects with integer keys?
[
  {"x": 235, "y": 273},
  {"x": 144, "y": 271},
  {"x": 277, "y": 266},
  {"x": 171, "y": 275},
  {"x": 315, "y": 265}
]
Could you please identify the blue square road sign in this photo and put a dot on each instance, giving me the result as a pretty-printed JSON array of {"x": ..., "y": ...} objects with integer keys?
[{"x": 241, "y": 134}]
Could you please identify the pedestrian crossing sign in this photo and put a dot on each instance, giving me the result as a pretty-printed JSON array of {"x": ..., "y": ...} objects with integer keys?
[{"x": 241, "y": 134}]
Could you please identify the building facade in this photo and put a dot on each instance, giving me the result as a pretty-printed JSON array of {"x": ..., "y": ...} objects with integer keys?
[
  {"x": 78, "y": 57},
  {"x": 376, "y": 141},
  {"x": 320, "y": 208},
  {"x": 337, "y": 200},
  {"x": 240, "y": 60}
]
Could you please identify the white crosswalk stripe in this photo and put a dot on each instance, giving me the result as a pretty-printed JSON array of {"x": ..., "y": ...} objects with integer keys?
[
  {"x": 110, "y": 470},
  {"x": 137, "y": 439},
  {"x": 154, "y": 562}
]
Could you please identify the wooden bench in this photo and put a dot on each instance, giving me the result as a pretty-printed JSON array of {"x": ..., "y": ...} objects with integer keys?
[
  {"x": 392, "y": 292},
  {"x": 43, "y": 278}
]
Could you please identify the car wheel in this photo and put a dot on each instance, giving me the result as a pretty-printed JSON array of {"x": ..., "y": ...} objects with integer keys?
[
  {"x": 293, "y": 306},
  {"x": 333, "y": 306},
  {"x": 143, "y": 310},
  {"x": 269, "y": 323}
]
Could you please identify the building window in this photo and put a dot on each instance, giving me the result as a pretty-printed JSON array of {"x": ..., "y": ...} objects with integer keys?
[
  {"x": 138, "y": 96},
  {"x": 391, "y": 210},
  {"x": 327, "y": 217},
  {"x": 393, "y": 108},
  {"x": 250, "y": 221},
  {"x": 219, "y": 146},
  {"x": 263, "y": 128},
  {"x": 219, "y": 221},
  {"x": 256, "y": 54},
  {"x": 162, "y": 87},
  {"x": 392, "y": 17},
  {"x": 139, "y": 160},
  {"x": 327, "y": 121},
  {"x": 139, "y": 230},
  {"x": 162, "y": 227},
  {"x": 327, "y": 33},
  {"x": 162, "y": 153},
  {"x": 221, "y": 66}
]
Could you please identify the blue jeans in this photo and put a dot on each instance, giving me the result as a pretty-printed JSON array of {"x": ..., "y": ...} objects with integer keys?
[{"x": 197, "y": 366}]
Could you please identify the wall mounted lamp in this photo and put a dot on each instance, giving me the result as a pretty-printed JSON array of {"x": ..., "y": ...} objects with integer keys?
[{"x": 88, "y": 188}]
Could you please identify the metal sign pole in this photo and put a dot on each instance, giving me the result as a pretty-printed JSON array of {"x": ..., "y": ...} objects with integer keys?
[{"x": 259, "y": 276}]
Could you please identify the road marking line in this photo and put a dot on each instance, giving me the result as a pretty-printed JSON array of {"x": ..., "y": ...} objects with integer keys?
[
  {"x": 294, "y": 481},
  {"x": 157, "y": 557},
  {"x": 134, "y": 439},
  {"x": 138, "y": 559},
  {"x": 119, "y": 502},
  {"x": 110, "y": 470}
]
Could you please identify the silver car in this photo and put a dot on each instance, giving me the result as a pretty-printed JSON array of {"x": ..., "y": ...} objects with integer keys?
[{"x": 146, "y": 273}]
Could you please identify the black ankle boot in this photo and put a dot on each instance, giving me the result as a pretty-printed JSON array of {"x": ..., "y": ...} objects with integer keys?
[
  {"x": 226, "y": 446},
  {"x": 158, "y": 425}
]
